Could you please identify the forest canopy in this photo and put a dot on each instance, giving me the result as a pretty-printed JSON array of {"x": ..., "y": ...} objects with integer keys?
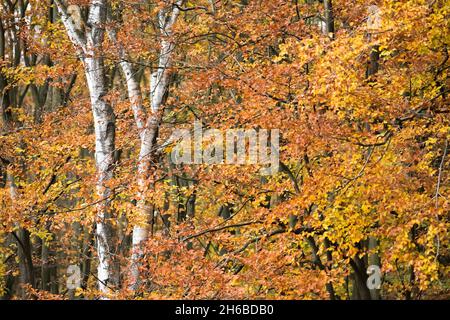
[{"x": 345, "y": 196}]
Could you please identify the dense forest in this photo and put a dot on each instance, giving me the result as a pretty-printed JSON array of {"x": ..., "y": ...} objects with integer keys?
[{"x": 116, "y": 116}]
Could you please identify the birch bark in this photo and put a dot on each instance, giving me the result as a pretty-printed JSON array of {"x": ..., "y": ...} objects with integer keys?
[
  {"x": 148, "y": 126},
  {"x": 90, "y": 50}
]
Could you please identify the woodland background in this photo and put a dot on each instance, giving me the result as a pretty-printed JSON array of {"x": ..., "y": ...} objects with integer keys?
[{"x": 90, "y": 91}]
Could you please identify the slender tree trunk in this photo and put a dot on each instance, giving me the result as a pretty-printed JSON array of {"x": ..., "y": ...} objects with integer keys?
[
  {"x": 360, "y": 290},
  {"x": 148, "y": 131},
  {"x": 24, "y": 246},
  {"x": 329, "y": 18},
  {"x": 45, "y": 269},
  {"x": 86, "y": 257},
  {"x": 25, "y": 259},
  {"x": 374, "y": 258},
  {"x": 104, "y": 124},
  {"x": 89, "y": 45},
  {"x": 145, "y": 210}
]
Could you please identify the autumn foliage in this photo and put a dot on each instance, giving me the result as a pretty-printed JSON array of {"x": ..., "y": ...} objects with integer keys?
[{"x": 361, "y": 100}]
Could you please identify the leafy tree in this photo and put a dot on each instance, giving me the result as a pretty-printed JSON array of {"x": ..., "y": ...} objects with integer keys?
[{"x": 92, "y": 90}]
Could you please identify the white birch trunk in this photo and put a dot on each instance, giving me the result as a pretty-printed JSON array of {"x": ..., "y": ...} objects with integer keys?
[
  {"x": 141, "y": 230},
  {"x": 89, "y": 47},
  {"x": 149, "y": 133},
  {"x": 104, "y": 124}
]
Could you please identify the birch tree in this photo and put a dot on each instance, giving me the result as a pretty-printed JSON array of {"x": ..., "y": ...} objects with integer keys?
[
  {"x": 148, "y": 123},
  {"x": 88, "y": 41}
]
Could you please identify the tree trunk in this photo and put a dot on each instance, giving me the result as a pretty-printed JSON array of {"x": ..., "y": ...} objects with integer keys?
[
  {"x": 329, "y": 18},
  {"x": 89, "y": 45},
  {"x": 104, "y": 124},
  {"x": 149, "y": 133}
]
